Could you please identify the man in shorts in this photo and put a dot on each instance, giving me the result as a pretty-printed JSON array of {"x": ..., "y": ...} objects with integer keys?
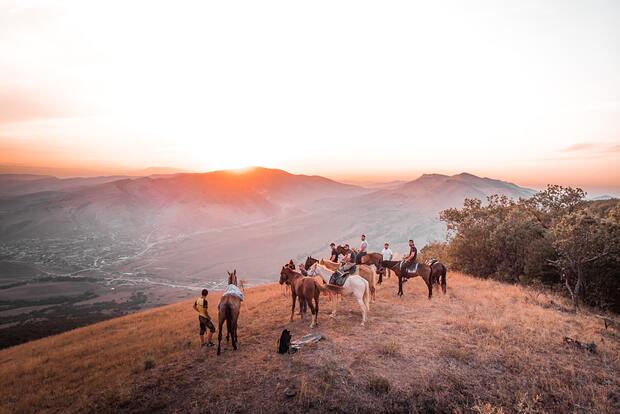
[{"x": 201, "y": 306}]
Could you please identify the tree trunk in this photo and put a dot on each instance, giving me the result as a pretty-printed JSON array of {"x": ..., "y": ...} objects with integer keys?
[{"x": 578, "y": 287}]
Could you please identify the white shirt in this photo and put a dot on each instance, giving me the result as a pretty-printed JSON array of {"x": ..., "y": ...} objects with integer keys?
[
  {"x": 363, "y": 246},
  {"x": 387, "y": 254}
]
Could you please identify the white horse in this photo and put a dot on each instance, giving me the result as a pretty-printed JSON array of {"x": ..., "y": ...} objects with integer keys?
[{"x": 355, "y": 285}]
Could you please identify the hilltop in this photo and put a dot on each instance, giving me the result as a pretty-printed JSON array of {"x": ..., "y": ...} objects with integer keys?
[{"x": 484, "y": 347}]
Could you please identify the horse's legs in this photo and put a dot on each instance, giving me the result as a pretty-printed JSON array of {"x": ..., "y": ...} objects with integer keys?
[
  {"x": 360, "y": 300},
  {"x": 335, "y": 307},
  {"x": 312, "y": 310},
  {"x": 316, "y": 299},
  {"x": 234, "y": 330},
  {"x": 294, "y": 296},
  {"x": 219, "y": 333},
  {"x": 429, "y": 284},
  {"x": 400, "y": 285}
]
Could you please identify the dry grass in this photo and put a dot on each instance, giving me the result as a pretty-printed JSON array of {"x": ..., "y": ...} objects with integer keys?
[{"x": 482, "y": 348}]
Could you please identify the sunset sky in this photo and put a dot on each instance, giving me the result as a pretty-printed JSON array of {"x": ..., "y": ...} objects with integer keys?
[{"x": 526, "y": 91}]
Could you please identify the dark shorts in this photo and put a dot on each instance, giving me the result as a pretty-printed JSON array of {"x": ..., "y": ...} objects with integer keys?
[{"x": 205, "y": 324}]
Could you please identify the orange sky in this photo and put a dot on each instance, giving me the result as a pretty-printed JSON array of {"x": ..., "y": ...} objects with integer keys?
[{"x": 350, "y": 90}]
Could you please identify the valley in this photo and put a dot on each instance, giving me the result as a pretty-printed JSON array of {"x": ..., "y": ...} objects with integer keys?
[{"x": 94, "y": 251}]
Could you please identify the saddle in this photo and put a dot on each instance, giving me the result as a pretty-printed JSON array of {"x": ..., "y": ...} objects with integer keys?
[
  {"x": 339, "y": 277},
  {"x": 412, "y": 268}
]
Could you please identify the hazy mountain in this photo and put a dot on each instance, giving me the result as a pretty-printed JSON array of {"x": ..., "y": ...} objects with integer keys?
[
  {"x": 602, "y": 197},
  {"x": 108, "y": 244},
  {"x": 21, "y": 184}
]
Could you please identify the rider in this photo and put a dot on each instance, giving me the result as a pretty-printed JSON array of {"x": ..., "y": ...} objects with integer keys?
[
  {"x": 362, "y": 251},
  {"x": 410, "y": 259},
  {"x": 348, "y": 261},
  {"x": 334, "y": 255}
]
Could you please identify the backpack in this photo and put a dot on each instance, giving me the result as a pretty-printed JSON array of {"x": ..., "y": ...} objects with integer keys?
[{"x": 284, "y": 342}]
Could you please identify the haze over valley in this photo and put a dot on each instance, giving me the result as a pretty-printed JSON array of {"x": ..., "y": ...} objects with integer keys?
[{"x": 73, "y": 251}]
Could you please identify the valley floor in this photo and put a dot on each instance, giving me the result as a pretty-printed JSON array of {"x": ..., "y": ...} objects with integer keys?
[{"x": 484, "y": 347}]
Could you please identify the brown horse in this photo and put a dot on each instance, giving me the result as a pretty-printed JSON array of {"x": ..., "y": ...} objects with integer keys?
[
  {"x": 228, "y": 310},
  {"x": 400, "y": 269},
  {"x": 306, "y": 288},
  {"x": 438, "y": 275},
  {"x": 372, "y": 258},
  {"x": 365, "y": 271}
]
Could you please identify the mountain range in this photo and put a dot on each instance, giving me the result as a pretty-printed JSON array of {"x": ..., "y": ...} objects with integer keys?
[{"x": 260, "y": 216}]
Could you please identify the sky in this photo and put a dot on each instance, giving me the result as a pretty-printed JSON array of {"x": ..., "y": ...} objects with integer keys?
[{"x": 526, "y": 91}]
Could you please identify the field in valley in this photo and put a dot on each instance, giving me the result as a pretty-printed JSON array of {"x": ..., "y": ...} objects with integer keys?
[{"x": 484, "y": 347}]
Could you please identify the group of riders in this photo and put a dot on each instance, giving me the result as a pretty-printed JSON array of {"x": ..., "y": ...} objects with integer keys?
[
  {"x": 348, "y": 257},
  {"x": 345, "y": 256}
]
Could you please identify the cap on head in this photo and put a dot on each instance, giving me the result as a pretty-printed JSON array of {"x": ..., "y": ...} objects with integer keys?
[{"x": 205, "y": 292}]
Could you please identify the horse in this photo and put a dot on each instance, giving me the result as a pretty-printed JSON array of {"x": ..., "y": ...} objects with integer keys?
[
  {"x": 423, "y": 270},
  {"x": 355, "y": 286},
  {"x": 318, "y": 279},
  {"x": 228, "y": 310},
  {"x": 367, "y": 272},
  {"x": 438, "y": 275},
  {"x": 307, "y": 288},
  {"x": 371, "y": 258}
]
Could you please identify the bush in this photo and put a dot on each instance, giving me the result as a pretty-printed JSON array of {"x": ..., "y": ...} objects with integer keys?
[{"x": 555, "y": 238}]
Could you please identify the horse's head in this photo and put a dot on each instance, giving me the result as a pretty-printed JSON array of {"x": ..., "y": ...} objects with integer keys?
[
  {"x": 232, "y": 277},
  {"x": 284, "y": 273},
  {"x": 290, "y": 264},
  {"x": 342, "y": 249},
  {"x": 309, "y": 262}
]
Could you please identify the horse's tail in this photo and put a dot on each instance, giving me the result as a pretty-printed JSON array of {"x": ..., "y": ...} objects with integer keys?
[
  {"x": 366, "y": 297},
  {"x": 443, "y": 277},
  {"x": 229, "y": 318}
]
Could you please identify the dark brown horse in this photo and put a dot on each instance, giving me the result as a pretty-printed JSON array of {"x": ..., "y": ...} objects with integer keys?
[
  {"x": 306, "y": 288},
  {"x": 438, "y": 275},
  {"x": 228, "y": 310},
  {"x": 423, "y": 270}
]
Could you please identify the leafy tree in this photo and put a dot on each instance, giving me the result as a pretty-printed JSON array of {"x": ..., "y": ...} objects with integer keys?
[{"x": 581, "y": 239}]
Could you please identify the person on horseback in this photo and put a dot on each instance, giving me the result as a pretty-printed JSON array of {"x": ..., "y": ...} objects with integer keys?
[
  {"x": 348, "y": 260},
  {"x": 334, "y": 255},
  {"x": 362, "y": 251},
  {"x": 410, "y": 260}
]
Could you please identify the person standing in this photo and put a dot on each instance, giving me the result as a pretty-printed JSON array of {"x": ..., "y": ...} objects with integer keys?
[
  {"x": 387, "y": 252},
  {"x": 202, "y": 307}
]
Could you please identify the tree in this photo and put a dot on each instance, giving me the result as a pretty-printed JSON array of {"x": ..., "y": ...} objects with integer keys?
[{"x": 581, "y": 239}]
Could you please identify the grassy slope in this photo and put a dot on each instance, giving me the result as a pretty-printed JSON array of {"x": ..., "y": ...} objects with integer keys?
[{"x": 484, "y": 347}]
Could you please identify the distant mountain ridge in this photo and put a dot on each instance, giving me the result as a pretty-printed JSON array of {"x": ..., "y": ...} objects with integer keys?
[{"x": 200, "y": 223}]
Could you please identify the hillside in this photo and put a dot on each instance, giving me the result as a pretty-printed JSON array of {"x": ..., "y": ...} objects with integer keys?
[{"x": 484, "y": 347}]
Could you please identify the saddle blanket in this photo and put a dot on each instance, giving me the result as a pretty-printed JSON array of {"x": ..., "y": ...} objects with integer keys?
[
  {"x": 413, "y": 267},
  {"x": 338, "y": 278},
  {"x": 234, "y": 291}
]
